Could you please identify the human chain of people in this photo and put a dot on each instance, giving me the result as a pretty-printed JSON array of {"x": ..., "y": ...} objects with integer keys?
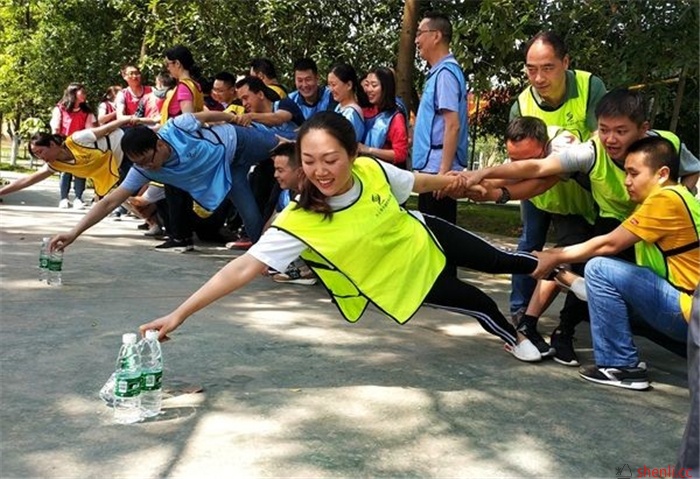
[{"x": 315, "y": 183}]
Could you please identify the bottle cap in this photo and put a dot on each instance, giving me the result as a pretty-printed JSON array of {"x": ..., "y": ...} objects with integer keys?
[
  {"x": 152, "y": 334},
  {"x": 46, "y": 239},
  {"x": 129, "y": 338}
]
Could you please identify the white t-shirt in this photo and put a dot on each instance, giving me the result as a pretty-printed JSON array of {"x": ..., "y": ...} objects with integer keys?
[{"x": 278, "y": 249}]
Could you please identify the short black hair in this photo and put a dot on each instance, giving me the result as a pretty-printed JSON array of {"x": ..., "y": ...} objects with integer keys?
[
  {"x": 440, "y": 22},
  {"x": 304, "y": 64},
  {"x": 552, "y": 39},
  {"x": 288, "y": 149},
  {"x": 264, "y": 66},
  {"x": 138, "y": 140},
  {"x": 524, "y": 127},
  {"x": 621, "y": 102},
  {"x": 256, "y": 85},
  {"x": 227, "y": 78},
  {"x": 658, "y": 152}
]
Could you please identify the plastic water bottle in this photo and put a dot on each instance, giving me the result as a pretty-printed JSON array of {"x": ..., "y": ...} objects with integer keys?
[
  {"x": 151, "y": 374},
  {"x": 55, "y": 267},
  {"x": 44, "y": 260},
  {"x": 127, "y": 386}
]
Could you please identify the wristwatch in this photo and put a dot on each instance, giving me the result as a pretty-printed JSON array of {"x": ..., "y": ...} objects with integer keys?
[{"x": 505, "y": 196}]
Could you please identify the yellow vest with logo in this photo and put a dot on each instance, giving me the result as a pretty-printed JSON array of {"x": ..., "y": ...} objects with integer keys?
[
  {"x": 670, "y": 136},
  {"x": 566, "y": 197},
  {"x": 197, "y": 99},
  {"x": 235, "y": 109},
  {"x": 608, "y": 185},
  {"x": 371, "y": 251},
  {"x": 102, "y": 167},
  {"x": 651, "y": 255},
  {"x": 571, "y": 115}
]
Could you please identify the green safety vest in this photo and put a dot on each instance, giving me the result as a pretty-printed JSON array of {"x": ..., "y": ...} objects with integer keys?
[
  {"x": 571, "y": 115},
  {"x": 566, "y": 197},
  {"x": 608, "y": 185},
  {"x": 651, "y": 255},
  {"x": 670, "y": 136},
  {"x": 371, "y": 251}
]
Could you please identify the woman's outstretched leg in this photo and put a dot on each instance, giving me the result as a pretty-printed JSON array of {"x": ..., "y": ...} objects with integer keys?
[{"x": 464, "y": 248}]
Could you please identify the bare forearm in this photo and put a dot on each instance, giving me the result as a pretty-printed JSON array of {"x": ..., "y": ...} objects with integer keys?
[
  {"x": 425, "y": 183},
  {"x": 214, "y": 116},
  {"x": 449, "y": 146},
  {"x": 231, "y": 277},
  {"x": 21, "y": 183},
  {"x": 99, "y": 210}
]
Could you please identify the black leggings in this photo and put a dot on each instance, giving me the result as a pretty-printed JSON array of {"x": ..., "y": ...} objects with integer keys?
[{"x": 465, "y": 249}]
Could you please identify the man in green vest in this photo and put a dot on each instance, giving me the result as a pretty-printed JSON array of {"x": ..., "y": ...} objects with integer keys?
[
  {"x": 621, "y": 122},
  {"x": 656, "y": 291},
  {"x": 561, "y": 98}
]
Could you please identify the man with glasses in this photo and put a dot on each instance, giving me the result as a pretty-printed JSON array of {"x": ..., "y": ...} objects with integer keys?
[
  {"x": 441, "y": 131},
  {"x": 209, "y": 163},
  {"x": 135, "y": 97}
]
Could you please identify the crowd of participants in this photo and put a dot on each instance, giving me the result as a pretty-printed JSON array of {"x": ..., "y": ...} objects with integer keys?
[
  {"x": 582, "y": 158},
  {"x": 312, "y": 184}
]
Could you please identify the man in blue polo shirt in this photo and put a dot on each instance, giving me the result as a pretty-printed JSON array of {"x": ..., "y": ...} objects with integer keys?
[{"x": 441, "y": 131}]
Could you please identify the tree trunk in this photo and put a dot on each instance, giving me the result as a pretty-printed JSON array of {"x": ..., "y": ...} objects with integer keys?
[
  {"x": 14, "y": 136},
  {"x": 679, "y": 99},
  {"x": 407, "y": 52}
]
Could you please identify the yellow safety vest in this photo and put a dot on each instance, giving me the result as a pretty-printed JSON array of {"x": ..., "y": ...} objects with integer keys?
[
  {"x": 372, "y": 251},
  {"x": 102, "y": 167},
  {"x": 566, "y": 197},
  {"x": 197, "y": 99},
  {"x": 651, "y": 255},
  {"x": 571, "y": 115},
  {"x": 608, "y": 185}
]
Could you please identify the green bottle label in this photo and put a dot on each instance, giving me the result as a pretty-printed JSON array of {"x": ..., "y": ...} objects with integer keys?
[
  {"x": 43, "y": 262},
  {"x": 151, "y": 381},
  {"x": 127, "y": 387},
  {"x": 55, "y": 265}
]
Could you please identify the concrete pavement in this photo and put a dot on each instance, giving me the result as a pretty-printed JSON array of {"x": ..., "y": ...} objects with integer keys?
[{"x": 290, "y": 388}]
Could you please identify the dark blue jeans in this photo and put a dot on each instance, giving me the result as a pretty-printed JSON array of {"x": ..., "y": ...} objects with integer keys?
[{"x": 78, "y": 186}]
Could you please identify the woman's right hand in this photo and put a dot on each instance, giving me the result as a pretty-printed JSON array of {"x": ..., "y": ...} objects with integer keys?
[
  {"x": 61, "y": 241},
  {"x": 164, "y": 325}
]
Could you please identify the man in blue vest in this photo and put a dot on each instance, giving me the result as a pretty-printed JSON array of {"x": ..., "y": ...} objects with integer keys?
[
  {"x": 309, "y": 96},
  {"x": 441, "y": 132},
  {"x": 209, "y": 163}
]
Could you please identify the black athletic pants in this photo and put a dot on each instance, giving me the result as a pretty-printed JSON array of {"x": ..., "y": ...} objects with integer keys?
[{"x": 465, "y": 249}]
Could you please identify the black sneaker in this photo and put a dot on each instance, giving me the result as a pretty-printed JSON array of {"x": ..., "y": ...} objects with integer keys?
[
  {"x": 176, "y": 246},
  {"x": 529, "y": 330},
  {"x": 563, "y": 345},
  {"x": 627, "y": 378}
]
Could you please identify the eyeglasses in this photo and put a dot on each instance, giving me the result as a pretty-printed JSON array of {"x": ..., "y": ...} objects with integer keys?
[
  {"x": 421, "y": 32},
  {"x": 133, "y": 74}
]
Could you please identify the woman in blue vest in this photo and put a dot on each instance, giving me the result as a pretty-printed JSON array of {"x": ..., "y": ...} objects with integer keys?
[
  {"x": 348, "y": 226},
  {"x": 346, "y": 90},
  {"x": 386, "y": 134}
]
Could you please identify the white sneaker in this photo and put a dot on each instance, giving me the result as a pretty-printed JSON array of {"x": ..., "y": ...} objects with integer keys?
[
  {"x": 78, "y": 204},
  {"x": 524, "y": 351},
  {"x": 64, "y": 203}
]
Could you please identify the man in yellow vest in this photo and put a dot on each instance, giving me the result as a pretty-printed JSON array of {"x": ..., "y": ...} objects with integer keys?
[
  {"x": 621, "y": 121},
  {"x": 562, "y": 98},
  {"x": 656, "y": 291}
]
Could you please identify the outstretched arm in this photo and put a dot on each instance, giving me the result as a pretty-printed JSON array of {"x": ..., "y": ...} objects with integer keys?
[
  {"x": 26, "y": 181},
  {"x": 612, "y": 243},
  {"x": 231, "y": 277},
  {"x": 101, "y": 209},
  {"x": 518, "y": 170}
]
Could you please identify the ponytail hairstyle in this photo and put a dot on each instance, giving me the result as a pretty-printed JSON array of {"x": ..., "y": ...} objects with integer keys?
[
  {"x": 346, "y": 73},
  {"x": 184, "y": 56},
  {"x": 337, "y": 126},
  {"x": 70, "y": 97},
  {"x": 44, "y": 139}
]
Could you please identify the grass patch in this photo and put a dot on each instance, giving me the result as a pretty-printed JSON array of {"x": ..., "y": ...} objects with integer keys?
[
  {"x": 18, "y": 168},
  {"x": 503, "y": 220}
]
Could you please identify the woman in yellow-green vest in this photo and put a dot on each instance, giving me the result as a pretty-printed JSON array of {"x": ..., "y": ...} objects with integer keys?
[
  {"x": 187, "y": 96},
  {"x": 348, "y": 226},
  {"x": 94, "y": 153}
]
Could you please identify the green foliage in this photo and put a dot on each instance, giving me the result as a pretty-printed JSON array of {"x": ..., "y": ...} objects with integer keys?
[{"x": 46, "y": 44}]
